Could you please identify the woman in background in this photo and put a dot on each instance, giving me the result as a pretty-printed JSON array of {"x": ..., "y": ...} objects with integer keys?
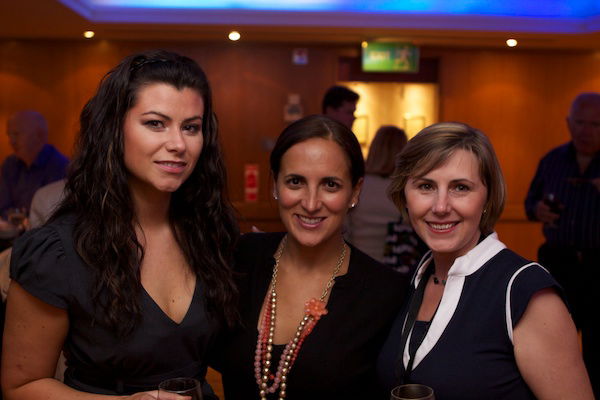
[
  {"x": 315, "y": 309},
  {"x": 375, "y": 225},
  {"x": 368, "y": 222},
  {"x": 131, "y": 275},
  {"x": 482, "y": 322}
]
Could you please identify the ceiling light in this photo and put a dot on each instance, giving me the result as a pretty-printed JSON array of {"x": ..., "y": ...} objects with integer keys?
[
  {"x": 234, "y": 35},
  {"x": 88, "y": 34},
  {"x": 364, "y": 44},
  {"x": 511, "y": 42}
]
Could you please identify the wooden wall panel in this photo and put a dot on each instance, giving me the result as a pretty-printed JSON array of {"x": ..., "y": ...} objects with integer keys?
[
  {"x": 522, "y": 236},
  {"x": 55, "y": 78},
  {"x": 519, "y": 98}
]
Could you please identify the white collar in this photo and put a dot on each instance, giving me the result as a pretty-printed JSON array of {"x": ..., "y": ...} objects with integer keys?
[
  {"x": 468, "y": 263},
  {"x": 462, "y": 267}
]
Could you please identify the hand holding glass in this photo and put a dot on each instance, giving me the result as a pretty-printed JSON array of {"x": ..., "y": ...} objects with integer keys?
[
  {"x": 180, "y": 388},
  {"x": 553, "y": 203},
  {"x": 16, "y": 216}
]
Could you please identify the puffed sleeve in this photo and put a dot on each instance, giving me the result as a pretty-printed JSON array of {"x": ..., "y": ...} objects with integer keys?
[
  {"x": 38, "y": 264},
  {"x": 529, "y": 281}
]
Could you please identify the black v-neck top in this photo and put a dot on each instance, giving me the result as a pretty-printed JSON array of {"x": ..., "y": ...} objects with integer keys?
[
  {"x": 337, "y": 359},
  {"x": 45, "y": 263}
]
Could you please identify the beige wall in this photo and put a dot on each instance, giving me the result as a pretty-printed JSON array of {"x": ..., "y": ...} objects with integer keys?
[
  {"x": 410, "y": 106},
  {"x": 519, "y": 98}
]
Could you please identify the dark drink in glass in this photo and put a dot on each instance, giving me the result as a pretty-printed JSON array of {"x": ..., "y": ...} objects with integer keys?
[
  {"x": 16, "y": 216},
  {"x": 551, "y": 201},
  {"x": 184, "y": 387}
]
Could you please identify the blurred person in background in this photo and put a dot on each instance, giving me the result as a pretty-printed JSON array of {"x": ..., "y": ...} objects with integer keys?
[
  {"x": 33, "y": 164},
  {"x": 565, "y": 196},
  {"x": 44, "y": 202},
  {"x": 339, "y": 104},
  {"x": 374, "y": 220}
]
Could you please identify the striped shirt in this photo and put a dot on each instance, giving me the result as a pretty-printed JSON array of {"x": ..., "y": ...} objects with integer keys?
[{"x": 579, "y": 222}]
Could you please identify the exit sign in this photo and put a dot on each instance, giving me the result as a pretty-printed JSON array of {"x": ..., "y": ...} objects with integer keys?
[{"x": 390, "y": 57}]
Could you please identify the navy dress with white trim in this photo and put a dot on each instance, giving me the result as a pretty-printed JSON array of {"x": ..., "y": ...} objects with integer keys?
[{"x": 468, "y": 352}]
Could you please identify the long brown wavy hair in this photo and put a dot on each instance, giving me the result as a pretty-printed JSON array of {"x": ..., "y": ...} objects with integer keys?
[{"x": 97, "y": 194}]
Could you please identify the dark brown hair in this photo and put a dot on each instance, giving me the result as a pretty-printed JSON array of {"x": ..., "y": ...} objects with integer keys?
[
  {"x": 319, "y": 126},
  {"x": 385, "y": 147},
  {"x": 336, "y": 96},
  {"x": 97, "y": 194}
]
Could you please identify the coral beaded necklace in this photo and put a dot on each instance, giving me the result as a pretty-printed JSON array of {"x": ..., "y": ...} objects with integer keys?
[{"x": 313, "y": 310}]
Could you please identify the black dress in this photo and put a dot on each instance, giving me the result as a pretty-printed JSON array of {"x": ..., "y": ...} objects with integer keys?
[
  {"x": 337, "y": 360},
  {"x": 45, "y": 263}
]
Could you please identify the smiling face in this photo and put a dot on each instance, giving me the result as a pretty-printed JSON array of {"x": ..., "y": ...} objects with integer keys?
[
  {"x": 314, "y": 190},
  {"x": 162, "y": 137},
  {"x": 446, "y": 204}
]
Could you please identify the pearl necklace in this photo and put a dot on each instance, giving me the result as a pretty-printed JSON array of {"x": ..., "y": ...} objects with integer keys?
[{"x": 313, "y": 310}]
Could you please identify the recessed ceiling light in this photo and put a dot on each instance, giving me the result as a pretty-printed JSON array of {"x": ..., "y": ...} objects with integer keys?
[
  {"x": 88, "y": 34},
  {"x": 234, "y": 35},
  {"x": 511, "y": 42}
]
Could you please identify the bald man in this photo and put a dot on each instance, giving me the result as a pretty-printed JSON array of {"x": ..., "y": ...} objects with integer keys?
[
  {"x": 33, "y": 164},
  {"x": 570, "y": 176}
]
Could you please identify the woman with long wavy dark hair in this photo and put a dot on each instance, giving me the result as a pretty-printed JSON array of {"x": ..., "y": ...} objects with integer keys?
[{"x": 131, "y": 275}]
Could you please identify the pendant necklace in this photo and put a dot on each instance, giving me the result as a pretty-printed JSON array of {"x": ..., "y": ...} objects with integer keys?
[
  {"x": 267, "y": 381},
  {"x": 436, "y": 281}
]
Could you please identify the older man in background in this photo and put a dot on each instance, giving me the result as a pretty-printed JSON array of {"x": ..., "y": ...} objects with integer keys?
[
  {"x": 33, "y": 164},
  {"x": 565, "y": 196}
]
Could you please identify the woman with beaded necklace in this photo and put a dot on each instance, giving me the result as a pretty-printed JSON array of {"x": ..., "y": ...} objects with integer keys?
[{"x": 315, "y": 310}]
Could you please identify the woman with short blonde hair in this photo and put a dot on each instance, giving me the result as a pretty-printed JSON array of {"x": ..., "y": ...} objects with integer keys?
[{"x": 481, "y": 322}]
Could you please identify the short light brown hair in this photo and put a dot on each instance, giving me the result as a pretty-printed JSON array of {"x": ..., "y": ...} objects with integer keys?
[
  {"x": 389, "y": 141},
  {"x": 432, "y": 146}
]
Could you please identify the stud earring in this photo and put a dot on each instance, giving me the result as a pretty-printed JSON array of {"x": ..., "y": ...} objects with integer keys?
[
  {"x": 275, "y": 196},
  {"x": 352, "y": 205}
]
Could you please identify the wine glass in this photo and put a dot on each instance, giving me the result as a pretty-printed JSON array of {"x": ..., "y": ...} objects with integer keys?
[
  {"x": 187, "y": 388},
  {"x": 554, "y": 204},
  {"x": 412, "y": 391},
  {"x": 16, "y": 216}
]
